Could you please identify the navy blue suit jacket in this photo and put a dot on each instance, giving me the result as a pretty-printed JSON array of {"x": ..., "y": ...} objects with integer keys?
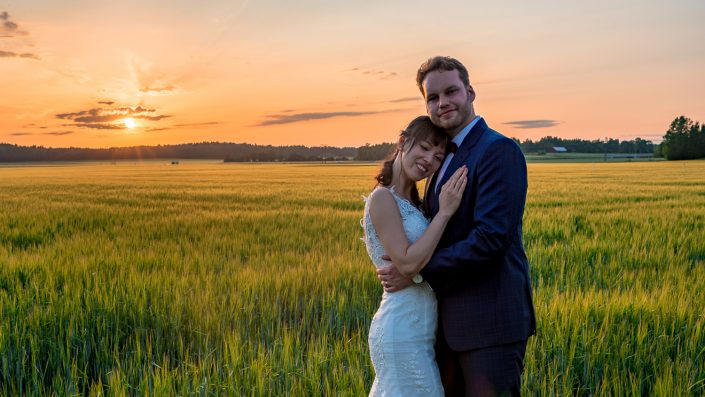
[{"x": 480, "y": 271}]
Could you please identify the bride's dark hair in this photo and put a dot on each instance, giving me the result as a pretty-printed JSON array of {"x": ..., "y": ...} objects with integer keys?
[{"x": 419, "y": 129}]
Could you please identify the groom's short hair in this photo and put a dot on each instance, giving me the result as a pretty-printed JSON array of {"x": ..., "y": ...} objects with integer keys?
[{"x": 441, "y": 63}]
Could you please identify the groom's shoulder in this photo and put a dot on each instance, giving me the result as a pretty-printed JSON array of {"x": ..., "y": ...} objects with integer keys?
[
  {"x": 494, "y": 138},
  {"x": 495, "y": 142}
]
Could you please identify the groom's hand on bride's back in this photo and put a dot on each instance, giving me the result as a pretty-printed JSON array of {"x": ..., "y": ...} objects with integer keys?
[{"x": 390, "y": 278}]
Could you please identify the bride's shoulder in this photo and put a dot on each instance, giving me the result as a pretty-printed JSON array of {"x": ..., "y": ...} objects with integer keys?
[
  {"x": 381, "y": 191},
  {"x": 381, "y": 199}
]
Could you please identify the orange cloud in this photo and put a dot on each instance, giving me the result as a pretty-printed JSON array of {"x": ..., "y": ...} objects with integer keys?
[
  {"x": 9, "y": 28},
  {"x": 298, "y": 117},
  {"x": 152, "y": 81},
  {"x": 101, "y": 118},
  {"x": 383, "y": 75},
  {"x": 10, "y": 54},
  {"x": 533, "y": 123}
]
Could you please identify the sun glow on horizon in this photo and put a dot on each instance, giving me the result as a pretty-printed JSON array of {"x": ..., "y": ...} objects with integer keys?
[{"x": 130, "y": 123}]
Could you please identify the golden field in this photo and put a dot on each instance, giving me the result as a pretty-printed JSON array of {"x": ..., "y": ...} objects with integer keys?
[{"x": 209, "y": 278}]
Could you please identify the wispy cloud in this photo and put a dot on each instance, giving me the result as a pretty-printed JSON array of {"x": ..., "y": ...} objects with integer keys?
[
  {"x": 152, "y": 118},
  {"x": 156, "y": 89},
  {"x": 97, "y": 113},
  {"x": 381, "y": 74},
  {"x": 98, "y": 126},
  {"x": 154, "y": 81},
  {"x": 58, "y": 133},
  {"x": 9, "y": 28},
  {"x": 406, "y": 99},
  {"x": 96, "y": 118},
  {"x": 533, "y": 123},
  {"x": 11, "y": 54},
  {"x": 104, "y": 117},
  {"x": 198, "y": 124},
  {"x": 185, "y": 125},
  {"x": 298, "y": 117}
]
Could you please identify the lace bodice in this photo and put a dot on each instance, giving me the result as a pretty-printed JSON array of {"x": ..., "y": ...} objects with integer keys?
[
  {"x": 412, "y": 219},
  {"x": 403, "y": 330}
]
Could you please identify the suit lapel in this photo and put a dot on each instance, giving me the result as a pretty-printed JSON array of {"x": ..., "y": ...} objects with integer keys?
[
  {"x": 464, "y": 150},
  {"x": 429, "y": 196}
]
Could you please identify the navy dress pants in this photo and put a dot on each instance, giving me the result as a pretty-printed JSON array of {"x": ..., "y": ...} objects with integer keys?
[{"x": 488, "y": 372}]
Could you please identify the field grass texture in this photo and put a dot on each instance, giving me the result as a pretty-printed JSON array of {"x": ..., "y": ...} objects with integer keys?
[{"x": 237, "y": 279}]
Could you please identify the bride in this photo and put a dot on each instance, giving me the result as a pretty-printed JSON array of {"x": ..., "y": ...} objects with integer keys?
[{"x": 403, "y": 331}]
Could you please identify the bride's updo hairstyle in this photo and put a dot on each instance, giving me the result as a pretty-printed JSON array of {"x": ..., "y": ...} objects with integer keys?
[{"x": 419, "y": 129}]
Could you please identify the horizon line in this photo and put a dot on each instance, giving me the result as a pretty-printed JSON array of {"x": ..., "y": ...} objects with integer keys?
[{"x": 653, "y": 141}]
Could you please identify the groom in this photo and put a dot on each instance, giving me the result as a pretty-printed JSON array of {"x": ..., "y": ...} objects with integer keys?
[{"x": 479, "y": 271}]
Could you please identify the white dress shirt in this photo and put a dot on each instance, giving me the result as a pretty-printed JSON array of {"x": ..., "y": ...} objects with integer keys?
[{"x": 458, "y": 140}]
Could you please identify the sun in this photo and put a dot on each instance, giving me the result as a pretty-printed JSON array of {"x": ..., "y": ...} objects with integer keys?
[{"x": 129, "y": 123}]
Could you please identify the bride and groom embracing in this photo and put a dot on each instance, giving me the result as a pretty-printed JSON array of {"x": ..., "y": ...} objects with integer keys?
[{"x": 457, "y": 309}]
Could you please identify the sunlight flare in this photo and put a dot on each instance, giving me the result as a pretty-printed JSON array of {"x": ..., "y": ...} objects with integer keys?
[{"x": 130, "y": 123}]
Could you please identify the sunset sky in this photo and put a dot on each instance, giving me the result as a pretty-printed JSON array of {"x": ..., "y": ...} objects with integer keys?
[{"x": 313, "y": 72}]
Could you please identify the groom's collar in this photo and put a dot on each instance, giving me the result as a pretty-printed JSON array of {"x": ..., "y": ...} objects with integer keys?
[{"x": 460, "y": 137}]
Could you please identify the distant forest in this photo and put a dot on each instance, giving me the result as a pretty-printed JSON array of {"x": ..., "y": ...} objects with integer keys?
[
  {"x": 204, "y": 150},
  {"x": 685, "y": 139},
  {"x": 242, "y": 152}
]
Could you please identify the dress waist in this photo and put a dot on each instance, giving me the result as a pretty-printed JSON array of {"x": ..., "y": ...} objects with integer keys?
[{"x": 422, "y": 290}]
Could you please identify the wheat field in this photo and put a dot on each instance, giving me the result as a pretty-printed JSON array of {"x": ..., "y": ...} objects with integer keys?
[{"x": 210, "y": 279}]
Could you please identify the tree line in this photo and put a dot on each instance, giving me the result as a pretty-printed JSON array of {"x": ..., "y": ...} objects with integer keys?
[
  {"x": 609, "y": 145},
  {"x": 685, "y": 139},
  {"x": 541, "y": 146},
  {"x": 203, "y": 150}
]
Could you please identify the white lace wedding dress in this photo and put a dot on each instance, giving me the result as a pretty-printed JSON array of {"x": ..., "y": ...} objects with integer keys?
[{"x": 403, "y": 331}]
